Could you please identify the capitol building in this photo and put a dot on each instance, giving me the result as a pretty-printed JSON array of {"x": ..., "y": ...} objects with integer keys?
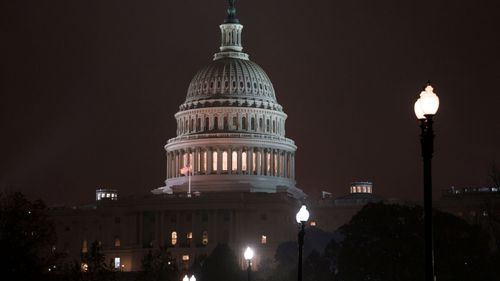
[{"x": 230, "y": 177}]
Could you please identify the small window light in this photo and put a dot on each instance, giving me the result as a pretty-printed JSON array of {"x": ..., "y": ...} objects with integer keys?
[
  {"x": 312, "y": 223},
  {"x": 189, "y": 235},
  {"x": 117, "y": 263},
  {"x": 84, "y": 267},
  {"x": 263, "y": 239},
  {"x": 185, "y": 257}
]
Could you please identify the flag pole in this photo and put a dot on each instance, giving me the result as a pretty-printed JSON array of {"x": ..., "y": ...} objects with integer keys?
[{"x": 189, "y": 182}]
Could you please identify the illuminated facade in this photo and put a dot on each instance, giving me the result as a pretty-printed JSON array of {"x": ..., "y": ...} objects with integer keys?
[
  {"x": 231, "y": 129},
  {"x": 232, "y": 147}
]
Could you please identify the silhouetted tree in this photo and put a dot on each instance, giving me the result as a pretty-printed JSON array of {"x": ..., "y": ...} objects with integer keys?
[
  {"x": 221, "y": 265},
  {"x": 96, "y": 268},
  {"x": 494, "y": 173},
  {"x": 26, "y": 238},
  {"x": 158, "y": 265},
  {"x": 385, "y": 242}
]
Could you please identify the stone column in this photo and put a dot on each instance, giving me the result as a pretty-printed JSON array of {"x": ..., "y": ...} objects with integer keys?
[{"x": 209, "y": 161}]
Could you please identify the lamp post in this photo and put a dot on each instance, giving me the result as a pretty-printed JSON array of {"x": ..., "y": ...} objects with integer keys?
[
  {"x": 425, "y": 109},
  {"x": 187, "y": 278},
  {"x": 301, "y": 217},
  {"x": 248, "y": 254}
]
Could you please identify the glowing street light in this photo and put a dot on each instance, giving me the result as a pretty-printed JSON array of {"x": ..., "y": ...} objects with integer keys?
[
  {"x": 425, "y": 109},
  {"x": 187, "y": 278},
  {"x": 301, "y": 217},
  {"x": 248, "y": 254}
]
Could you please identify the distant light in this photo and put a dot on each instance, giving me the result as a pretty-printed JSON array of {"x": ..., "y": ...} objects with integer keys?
[
  {"x": 313, "y": 223},
  {"x": 186, "y": 278},
  {"x": 248, "y": 254},
  {"x": 185, "y": 257},
  {"x": 192, "y": 278},
  {"x": 302, "y": 215}
]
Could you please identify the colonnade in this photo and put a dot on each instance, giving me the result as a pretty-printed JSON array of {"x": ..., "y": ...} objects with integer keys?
[
  {"x": 232, "y": 160},
  {"x": 232, "y": 122}
]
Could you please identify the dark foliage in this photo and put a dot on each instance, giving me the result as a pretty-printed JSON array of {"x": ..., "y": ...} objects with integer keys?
[
  {"x": 96, "y": 270},
  {"x": 26, "y": 238},
  {"x": 221, "y": 265},
  {"x": 158, "y": 265},
  {"x": 386, "y": 242}
]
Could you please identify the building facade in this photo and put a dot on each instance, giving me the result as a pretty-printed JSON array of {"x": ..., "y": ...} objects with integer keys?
[{"x": 230, "y": 177}]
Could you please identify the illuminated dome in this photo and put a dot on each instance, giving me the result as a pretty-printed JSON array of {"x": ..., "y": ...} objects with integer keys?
[
  {"x": 230, "y": 129},
  {"x": 231, "y": 79}
]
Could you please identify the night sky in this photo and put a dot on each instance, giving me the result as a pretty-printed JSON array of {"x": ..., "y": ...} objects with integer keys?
[{"x": 89, "y": 89}]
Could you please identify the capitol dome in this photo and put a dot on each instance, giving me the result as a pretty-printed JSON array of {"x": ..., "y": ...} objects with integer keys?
[{"x": 230, "y": 129}]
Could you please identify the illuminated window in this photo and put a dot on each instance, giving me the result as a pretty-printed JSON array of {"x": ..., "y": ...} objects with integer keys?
[
  {"x": 234, "y": 161},
  {"x": 214, "y": 161},
  {"x": 204, "y": 161},
  {"x": 268, "y": 163},
  {"x": 243, "y": 161},
  {"x": 117, "y": 263},
  {"x": 185, "y": 257},
  {"x": 254, "y": 161},
  {"x": 184, "y": 159},
  {"x": 263, "y": 239},
  {"x": 174, "y": 238},
  {"x": 275, "y": 164},
  {"x": 224, "y": 161},
  {"x": 204, "y": 240},
  {"x": 85, "y": 248},
  {"x": 313, "y": 223},
  {"x": 189, "y": 235},
  {"x": 84, "y": 267},
  {"x": 117, "y": 242},
  {"x": 369, "y": 189},
  {"x": 190, "y": 160}
]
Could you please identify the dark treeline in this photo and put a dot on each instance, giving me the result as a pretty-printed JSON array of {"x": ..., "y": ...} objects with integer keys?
[{"x": 382, "y": 242}]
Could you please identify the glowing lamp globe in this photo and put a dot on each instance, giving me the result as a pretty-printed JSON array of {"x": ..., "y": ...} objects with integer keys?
[
  {"x": 427, "y": 104},
  {"x": 302, "y": 215},
  {"x": 248, "y": 254},
  {"x": 186, "y": 278},
  {"x": 192, "y": 278}
]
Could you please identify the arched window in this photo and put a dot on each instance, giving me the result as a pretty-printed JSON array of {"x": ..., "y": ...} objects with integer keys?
[
  {"x": 252, "y": 124},
  {"x": 225, "y": 123},
  {"x": 244, "y": 125},
  {"x": 198, "y": 124},
  {"x": 173, "y": 238},
  {"x": 243, "y": 161},
  {"x": 214, "y": 161},
  {"x": 207, "y": 124},
  {"x": 234, "y": 161},
  {"x": 235, "y": 122},
  {"x": 274, "y": 126},
  {"x": 191, "y": 125},
  {"x": 216, "y": 123},
  {"x": 204, "y": 240},
  {"x": 261, "y": 126},
  {"x": 268, "y": 129},
  {"x": 224, "y": 161}
]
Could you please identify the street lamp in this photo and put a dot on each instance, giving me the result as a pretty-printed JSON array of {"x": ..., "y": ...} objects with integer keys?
[
  {"x": 425, "y": 109},
  {"x": 301, "y": 217},
  {"x": 248, "y": 254},
  {"x": 187, "y": 278}
]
